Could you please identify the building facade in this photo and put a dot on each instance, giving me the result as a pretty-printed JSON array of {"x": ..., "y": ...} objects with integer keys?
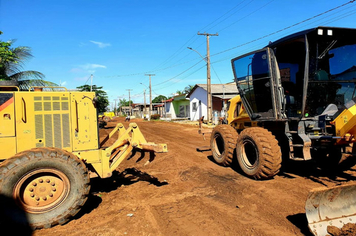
[{"x": 198, "y": 98}]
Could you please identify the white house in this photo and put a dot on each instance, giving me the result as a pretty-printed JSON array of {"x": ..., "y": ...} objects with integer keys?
[
  {"x": 169, "y": 110},
  {"x": 221, "y": 93}
]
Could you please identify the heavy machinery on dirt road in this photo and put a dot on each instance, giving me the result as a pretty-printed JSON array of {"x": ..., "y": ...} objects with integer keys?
[
  {"x": 50, "y": 150},
  {"x": 106, "y": 116},
  {"x": 297, "y": 100}
]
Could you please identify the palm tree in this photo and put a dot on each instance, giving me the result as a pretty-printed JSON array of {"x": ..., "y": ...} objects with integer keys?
[{"x": 12, "y": 61}]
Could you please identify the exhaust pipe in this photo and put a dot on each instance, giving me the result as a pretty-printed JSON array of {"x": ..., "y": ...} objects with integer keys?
[{"x": 327, "y": 207}]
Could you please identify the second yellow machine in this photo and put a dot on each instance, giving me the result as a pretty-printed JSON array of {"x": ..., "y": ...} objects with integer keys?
[{"x": 50, "y": 149}]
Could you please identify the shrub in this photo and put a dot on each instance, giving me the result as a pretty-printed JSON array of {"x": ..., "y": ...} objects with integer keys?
[{"x": 155, "y": 117}]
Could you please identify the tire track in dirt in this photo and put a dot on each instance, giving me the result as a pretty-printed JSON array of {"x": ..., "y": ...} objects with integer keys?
[
  {"x": 183, "y": 192},
  {"x": 212, "y": 186}
]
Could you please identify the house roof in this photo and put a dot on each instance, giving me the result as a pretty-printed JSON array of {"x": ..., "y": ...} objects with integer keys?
[
  {"x": 147, "y": 104},
  {"x": 218, "y": 90},
  {"x": 168, "y": 100},
  {"x": 224, "y": 96},
  {"x": 178, "y": 97}
]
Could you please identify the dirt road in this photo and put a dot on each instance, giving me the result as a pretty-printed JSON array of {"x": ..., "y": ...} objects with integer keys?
[{"x": 183, "y": 192}]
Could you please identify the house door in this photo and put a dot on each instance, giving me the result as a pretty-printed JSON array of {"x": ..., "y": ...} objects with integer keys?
[
  {"x": 7, "y": 125},
  {"x": 7, "y": 115}
]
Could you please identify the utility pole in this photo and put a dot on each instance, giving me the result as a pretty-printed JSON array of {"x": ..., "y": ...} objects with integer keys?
[
  {"x": 91, "y": 82},
  {"x": 129, "y": 101},
  {"x": 144, "y": 102},
  {"x": 210, "y": 110},
  {"x": 115, "y": 112},
  {"x": 149, "y": 118}
]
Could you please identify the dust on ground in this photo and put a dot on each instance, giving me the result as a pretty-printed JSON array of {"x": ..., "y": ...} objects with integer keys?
[{"x": 184, "y": 192}]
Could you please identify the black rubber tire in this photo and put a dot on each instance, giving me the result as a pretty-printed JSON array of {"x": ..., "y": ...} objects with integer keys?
[
  {"x": 223, "y": 143},
  {"x": 328, "y": 159},
  {"x": 258, "y": 153},
  {"x": 106, "y": 119},
  {"x": 62, "y": 179}
]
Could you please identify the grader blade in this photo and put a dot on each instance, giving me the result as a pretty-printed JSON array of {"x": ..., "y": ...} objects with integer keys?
[{"x": 327, "y": 208}]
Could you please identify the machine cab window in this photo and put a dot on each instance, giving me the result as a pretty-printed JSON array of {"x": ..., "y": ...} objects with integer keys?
[
  {"x": 332, "y": 71},
  {"x": 253, "y": 77}
]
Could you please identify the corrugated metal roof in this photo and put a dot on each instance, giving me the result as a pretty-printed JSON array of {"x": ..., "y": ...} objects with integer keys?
[
  {"x": 218, "y": 89},
  {"x": 225, "y": 96}
]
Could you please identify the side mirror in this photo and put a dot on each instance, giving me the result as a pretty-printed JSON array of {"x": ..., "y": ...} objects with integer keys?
[{"x": 95, "y": 100}]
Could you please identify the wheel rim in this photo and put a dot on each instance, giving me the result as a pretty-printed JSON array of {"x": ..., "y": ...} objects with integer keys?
[
  {"x": 218, "y": 144},
  {"x": 42, "y": 190},
  {"x": 249, "y": 154}
]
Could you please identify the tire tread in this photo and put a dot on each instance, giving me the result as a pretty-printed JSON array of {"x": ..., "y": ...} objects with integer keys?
[
  {"x": 52, "y": 153},
  {"x": 270, "y": 156}
]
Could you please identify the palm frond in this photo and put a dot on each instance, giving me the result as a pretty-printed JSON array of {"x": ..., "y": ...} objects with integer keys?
[
  {"x": 13, "y": 69},
  {"x": 23, "y": 75},
  {"x": 26, "y": 84}
]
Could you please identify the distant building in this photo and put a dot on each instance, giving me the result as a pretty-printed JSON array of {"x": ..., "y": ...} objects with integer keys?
[
  {"x": 177, "y": 107},
  {"x": 221, "y": 93},
  {"x": 141, "y": 109}
]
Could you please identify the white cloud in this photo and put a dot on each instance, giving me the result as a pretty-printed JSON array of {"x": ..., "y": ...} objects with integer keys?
[
  {"x": 89, "y": 66},
  {"x": 76, "y": 70},
  {"x": 81, "y": 44},
  {"x": 100, "y": 44}
]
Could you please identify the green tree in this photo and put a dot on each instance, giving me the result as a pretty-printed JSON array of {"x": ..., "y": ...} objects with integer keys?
[
  {"x": 179, "y": 92},
  {"x": 124, "y": 103},
  {"x": 186, "y": 90},
  {"x": 12, "y": 61},
  {"x": 102, "y": 97},
  {"x": 159, "y": 99}
]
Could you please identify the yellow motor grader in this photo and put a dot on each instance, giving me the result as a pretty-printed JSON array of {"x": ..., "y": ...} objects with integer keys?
[
  {"x": 50, "y": 150},
  {"x": 297, "y": 99}
]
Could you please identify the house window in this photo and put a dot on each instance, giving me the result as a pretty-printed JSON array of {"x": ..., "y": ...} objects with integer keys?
[{"x": 195, "y": 107}]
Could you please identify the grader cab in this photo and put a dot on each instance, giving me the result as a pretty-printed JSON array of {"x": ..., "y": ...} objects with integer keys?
[
  {"x": 296, "y": 100},
  {"x": 50, "y": 150}
]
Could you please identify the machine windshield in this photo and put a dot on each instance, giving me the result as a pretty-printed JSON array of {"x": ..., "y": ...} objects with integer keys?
[
  {"x": 253, "y": 81},
  {"x": 332, "y": 75}
]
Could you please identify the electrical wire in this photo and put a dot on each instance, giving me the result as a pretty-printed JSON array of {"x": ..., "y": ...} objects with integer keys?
[
  {"x": 181, "y": 78},
  {"x": 268, "y": 35},
  {"x": 230, "y": 14},
  {"x": 283, "y": 29},
  {"x": 238, "y": 46},
  {"x": 246, "y": 16},
  {"x": 182, "y": 48},
  {"x": 178, "y": 74}
]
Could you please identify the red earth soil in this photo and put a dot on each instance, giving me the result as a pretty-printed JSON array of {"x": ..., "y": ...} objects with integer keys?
[{"x": 184, "y": 192}]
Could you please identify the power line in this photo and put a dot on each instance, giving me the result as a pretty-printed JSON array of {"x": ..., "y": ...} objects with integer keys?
[
  {"x": 244, "y": 44},
  {"x": 245, "y": 16},
  {"x": 291, "y": 26},
  {"x": 268, "y": 35},
  {"x": 88, "y": 79},
  {"x": 181, "y": 49},
  {"x": 178, "y": 74},
  {"x": 226, "y": 14},
  {"x": 182, "y": 78}
]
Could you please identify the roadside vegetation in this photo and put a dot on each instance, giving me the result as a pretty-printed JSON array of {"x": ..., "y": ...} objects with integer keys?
[{"x": 12, "y": 62}]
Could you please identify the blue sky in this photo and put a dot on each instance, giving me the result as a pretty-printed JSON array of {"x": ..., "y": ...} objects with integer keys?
[{"x": 119, "y": 41}]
